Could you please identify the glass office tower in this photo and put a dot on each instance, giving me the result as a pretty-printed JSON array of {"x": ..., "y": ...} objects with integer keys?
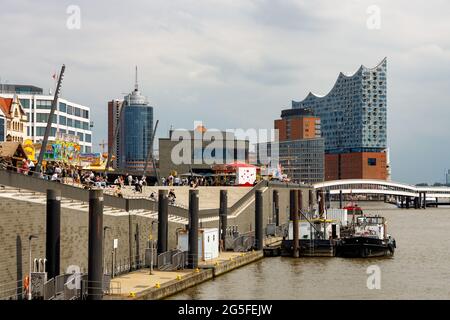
[{"x": 136, "y": 132}]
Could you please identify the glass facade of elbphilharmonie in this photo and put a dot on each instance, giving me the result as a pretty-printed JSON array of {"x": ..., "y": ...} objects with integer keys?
[
  {"x": 353, "y": 123},
  {"x": 353, "y": 113}
]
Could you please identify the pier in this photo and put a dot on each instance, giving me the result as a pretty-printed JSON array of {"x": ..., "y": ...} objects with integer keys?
[
  {"x": 109, "y": 239},
  {"x": 139, "y": 285}
]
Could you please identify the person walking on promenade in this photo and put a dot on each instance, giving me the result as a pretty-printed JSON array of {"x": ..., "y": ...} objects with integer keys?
[
  {"x": 31, "y": 167},
  {"x": 130, "y": 179},
  {"x": 118, "y": 191}
]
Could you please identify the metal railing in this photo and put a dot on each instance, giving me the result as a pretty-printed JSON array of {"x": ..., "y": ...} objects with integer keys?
[
  {"x": 172, "y": 260},
  {"x": 49, "y": 289},
  {"x": 12, "y": 291},
  {"x": 244, "y": 242},
  {"x": 122, "y": 266}
]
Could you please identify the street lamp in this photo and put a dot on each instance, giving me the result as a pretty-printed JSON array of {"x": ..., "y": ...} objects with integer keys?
[
  {"x": 103, "y": 247},
  {"x": 29, "y": 277},
  {"x": 152, "y": 246}
]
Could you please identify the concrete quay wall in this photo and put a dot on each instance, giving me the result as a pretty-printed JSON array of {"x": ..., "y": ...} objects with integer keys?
[
  {"x": 175, "y": 286},
  {"x": 21, "y": 218}
]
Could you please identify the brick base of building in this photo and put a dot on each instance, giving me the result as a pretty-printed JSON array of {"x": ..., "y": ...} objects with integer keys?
[{"x": 356, "y": 165}]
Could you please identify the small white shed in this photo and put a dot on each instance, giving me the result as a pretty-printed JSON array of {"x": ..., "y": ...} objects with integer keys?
[{"x": 208, "y": 243}]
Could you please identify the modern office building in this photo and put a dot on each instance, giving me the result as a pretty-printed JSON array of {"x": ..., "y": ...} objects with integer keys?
[
  {"x": 353, "y": 123},
  {"x": 199, "y": 156},
  {"x": 134, "y": 116},
  {"x": 114, "y": 107},
  {"x": 301, "y": 147},
  {"x": 447, "y": 178},
  {"x": 70, "y": 118}
]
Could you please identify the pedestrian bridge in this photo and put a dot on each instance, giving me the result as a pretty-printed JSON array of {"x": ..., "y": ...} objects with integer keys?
[{"x": 382, "y": 187}]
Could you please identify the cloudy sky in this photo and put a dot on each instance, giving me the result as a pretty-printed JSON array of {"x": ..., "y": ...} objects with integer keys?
[{"x": 236, "y": 64}]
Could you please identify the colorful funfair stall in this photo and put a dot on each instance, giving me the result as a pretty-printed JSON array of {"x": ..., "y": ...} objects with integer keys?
[{"x": 244, "y": 173}]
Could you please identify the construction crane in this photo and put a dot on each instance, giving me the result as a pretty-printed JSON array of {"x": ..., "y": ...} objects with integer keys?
[
  {"x": 49, "y": 121},
  {"x": 150, "y": 154}
]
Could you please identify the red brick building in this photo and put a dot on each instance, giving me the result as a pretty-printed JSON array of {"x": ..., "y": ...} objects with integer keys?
[{"x": 356, "y": 165}]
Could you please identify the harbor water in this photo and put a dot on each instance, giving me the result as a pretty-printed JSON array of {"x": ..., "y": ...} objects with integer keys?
[{"x": 420, "y": 268}]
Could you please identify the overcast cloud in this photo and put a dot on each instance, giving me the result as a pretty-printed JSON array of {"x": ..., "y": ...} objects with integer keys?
[{"x": 238, "y": 63}]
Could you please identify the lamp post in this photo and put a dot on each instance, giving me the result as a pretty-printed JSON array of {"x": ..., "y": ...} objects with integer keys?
[
  {"x": 30, "y": 296},
  {"x": 152, "y": 246},
  {"x": 103, "y": 249}
]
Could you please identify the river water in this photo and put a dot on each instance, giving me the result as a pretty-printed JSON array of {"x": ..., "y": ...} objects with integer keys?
[{"x": 420, "y": 268}]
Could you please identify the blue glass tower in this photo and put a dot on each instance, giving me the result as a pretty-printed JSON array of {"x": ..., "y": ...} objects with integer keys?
[{"x": 136, "y": 128}]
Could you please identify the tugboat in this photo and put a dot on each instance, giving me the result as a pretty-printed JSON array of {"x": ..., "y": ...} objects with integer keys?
[{"x": 366, "y": 237}]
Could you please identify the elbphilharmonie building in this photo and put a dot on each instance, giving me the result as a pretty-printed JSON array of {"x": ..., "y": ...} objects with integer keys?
[{"x": 353, "y": 123}]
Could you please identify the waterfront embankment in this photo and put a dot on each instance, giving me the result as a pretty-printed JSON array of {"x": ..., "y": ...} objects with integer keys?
[{"x": 140, "y": 285}]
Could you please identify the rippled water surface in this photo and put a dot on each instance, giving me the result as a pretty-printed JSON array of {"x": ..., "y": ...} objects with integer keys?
[{"x": 420, "y": 268}]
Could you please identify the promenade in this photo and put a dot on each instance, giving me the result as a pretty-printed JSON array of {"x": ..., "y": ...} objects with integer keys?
[{"x": 210, "y": 196}]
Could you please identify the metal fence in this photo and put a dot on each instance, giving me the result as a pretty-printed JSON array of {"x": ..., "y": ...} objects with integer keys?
[
  {"x": 172, "y": 260},
  {"x": 124, "y": 265},
  {"x": 244, "y": 242},
  {"x": 12, "y": 291}
]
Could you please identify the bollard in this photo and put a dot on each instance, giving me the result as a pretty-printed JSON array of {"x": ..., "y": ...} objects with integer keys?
[
  {"x": 95, "y": 259},
  {"x": 163, "y": 221},
  {"x": 53, "y": 234},
  {"x": 259, "y": 241},
  {"x": 223, "y": 213},
  {"x": 276, "y": 206},
  {"x": 327, "y": 199},
  {"x": 193, "y": 229},
  {"x": 293, "y": 201}
]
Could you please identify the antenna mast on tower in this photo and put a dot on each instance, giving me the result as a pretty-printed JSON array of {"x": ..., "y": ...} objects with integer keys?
[{"x": 136, "y": 80}]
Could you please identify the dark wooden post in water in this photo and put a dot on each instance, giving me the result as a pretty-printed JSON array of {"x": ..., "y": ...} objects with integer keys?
[
  {"x": 53, "y": 234},
  {"x": 297, "y": 216},
  {"x": 259, "y": 240},
  {"x": 276, "y": 206},
  {"x": 424, "y": 200},
  {"x": 193, "y": 229},
  {"x": 327, "y": 199},
  {"x": 293, "y": 204},
  {"x": 223, "y": 213},
  {"x": 95, "y": 252},
  {"x": 321, "y": 203},
  {"x": 163, "y": 221},
  {"x": 403, "y": 202},
  {"x": 340, "y": 199},
  {"x": 407, "y": 202}
]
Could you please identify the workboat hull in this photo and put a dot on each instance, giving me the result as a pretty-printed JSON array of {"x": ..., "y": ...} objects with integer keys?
[
  {"x": 309, "y": 248},
  {"x": 365, "y": 247}
]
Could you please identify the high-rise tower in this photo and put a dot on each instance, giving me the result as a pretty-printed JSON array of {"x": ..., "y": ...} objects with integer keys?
[{"x": 353, "y": 123}]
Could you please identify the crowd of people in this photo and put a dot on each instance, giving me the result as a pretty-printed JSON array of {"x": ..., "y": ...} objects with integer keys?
[
  {"x": 69, "y": 174},
  {"x": 192, "y": 181}
]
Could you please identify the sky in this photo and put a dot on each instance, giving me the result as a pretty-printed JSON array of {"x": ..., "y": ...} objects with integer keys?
[{"x": 237, "y": 64}]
